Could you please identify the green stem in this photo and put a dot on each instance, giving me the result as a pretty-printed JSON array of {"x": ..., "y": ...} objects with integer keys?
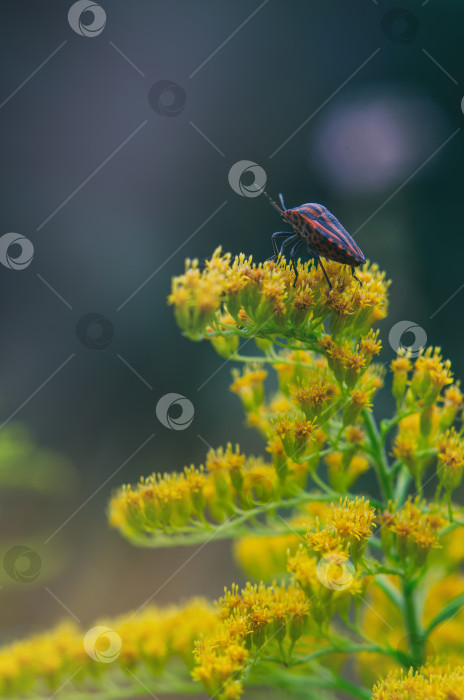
[
  {"x": 416, "y": 636},
  {"x": 323, "y": 486},
  {"x": 387, "y": 425},
  {"x": 342, "y": 649},
  {"x": 402, "y": 485},
  {"x": 378, "y": 451}
]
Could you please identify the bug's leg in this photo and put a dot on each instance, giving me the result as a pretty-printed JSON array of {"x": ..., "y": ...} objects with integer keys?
[
  {"x": 290, "y": 239},
  {"x": 325, "y": 275},
  {"x": 356, "y": 278},
  {"x": 292, "y": 258},
  {"x": 277, "y": 234},
  {"x": 318, "y": 261},
  {"x": 281, "y": 197}
]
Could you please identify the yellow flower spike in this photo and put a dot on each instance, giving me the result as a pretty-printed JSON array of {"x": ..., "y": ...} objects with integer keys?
[
  {"x": 353, "y": 520},
  {"x": 249, "y": 386},
  {"x": 416, "y": 531},
  {"x": 442, "y": 683},
  {"x": 405, "y": 449},
  {"x": 301, "y": 306},
  {"x": 370, "y": 345},
  {"x": 298, "y": 441},
  {"x": 341, "y": 306},
  {"x": 360, "y": 398},
  {"x": 196, "y": 482},
  {"x": 430, "y": 375},
  {"x": 452, "y": 403},
  {"x": 196, "y": 297},
  {"x": 40, "y": 665},
  {"x": 222, "y": 338},
  {"x": 323, "y": 541},
  {"x": 259, "y": 484},
  {"x": 304, "y": 570},
  {"x": 264, "y": 294},
  {"x": 355, "y": 364},
  {"x": 315, "y": 397},
  {"x": 250, "y": 619},
  {"x": 450, "y": 467},
  {"x": 169, "y": 501},
  {"x": 336, "y": 354},
  {"x": 400, "y": 368}
]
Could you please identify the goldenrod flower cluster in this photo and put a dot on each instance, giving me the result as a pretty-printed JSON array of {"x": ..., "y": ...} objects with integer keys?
[
  {"x": 416, "y": 529},
  {"x": 148, "y": 639},
  {"x": 445, "y": 682},
  {"x": 347, "y": 554},
  {"x": 254, "y": 621},
  {"x": 238, "y": 295},
  {"x": 227, "y": 483},
  {"x": 430, "y": 402}
]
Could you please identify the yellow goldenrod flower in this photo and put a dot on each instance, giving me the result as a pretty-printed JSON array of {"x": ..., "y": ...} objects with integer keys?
[
  {"x": 257, "y": 616},
  {"x": 450, "y": 466},
  {"x": 438, "y": 683},
  {"x": 298, "y": 439},
  {"x": 43, "y": 663},
  {"x": 249, "y": 386},
  {"x": 417, "y": 531},
  {"x": 352, "y": 520}
]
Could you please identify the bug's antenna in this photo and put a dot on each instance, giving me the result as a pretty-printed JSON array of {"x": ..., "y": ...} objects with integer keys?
[{"x": 272, "y": 202}]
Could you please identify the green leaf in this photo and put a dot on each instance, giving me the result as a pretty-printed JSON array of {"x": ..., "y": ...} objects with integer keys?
[{"x": 448, "y": 612}]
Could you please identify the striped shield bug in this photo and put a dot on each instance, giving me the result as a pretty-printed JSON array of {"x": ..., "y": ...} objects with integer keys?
[{"x": 316, "y": 227}]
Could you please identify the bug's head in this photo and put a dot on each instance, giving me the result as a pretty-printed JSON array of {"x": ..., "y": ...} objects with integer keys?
[{"x": 290, "y": 215}]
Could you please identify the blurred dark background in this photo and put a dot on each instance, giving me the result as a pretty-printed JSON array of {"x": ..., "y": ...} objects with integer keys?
[{"x": 355, "y": 104}]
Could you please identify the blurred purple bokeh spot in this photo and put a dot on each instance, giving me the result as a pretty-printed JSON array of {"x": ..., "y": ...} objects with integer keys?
[{"x": 373, "y": 139}]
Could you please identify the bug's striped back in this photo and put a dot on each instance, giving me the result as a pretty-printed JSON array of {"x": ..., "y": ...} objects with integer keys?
[{"x": 325, "y": 234}]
